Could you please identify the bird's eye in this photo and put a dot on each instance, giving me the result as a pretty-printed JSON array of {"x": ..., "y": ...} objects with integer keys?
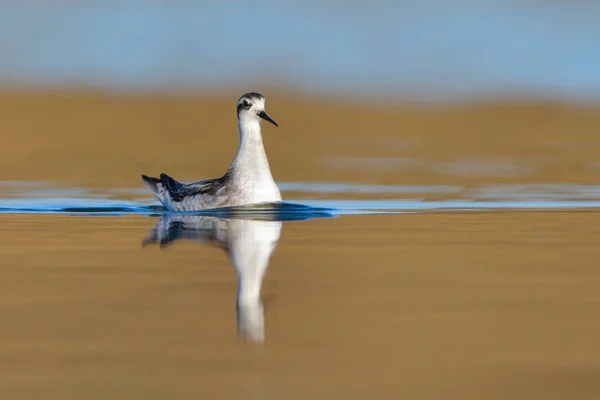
[{"x": 246, "y": 104}]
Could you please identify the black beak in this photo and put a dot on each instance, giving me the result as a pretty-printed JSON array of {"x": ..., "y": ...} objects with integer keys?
[{"x": 264, "y": 116}]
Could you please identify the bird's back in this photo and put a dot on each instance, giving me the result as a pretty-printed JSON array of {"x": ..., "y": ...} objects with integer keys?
[{"x": 177, "y": 196}]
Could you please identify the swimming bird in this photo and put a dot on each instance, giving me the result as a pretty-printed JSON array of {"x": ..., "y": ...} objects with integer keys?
[{"x": 247, "y": 181}]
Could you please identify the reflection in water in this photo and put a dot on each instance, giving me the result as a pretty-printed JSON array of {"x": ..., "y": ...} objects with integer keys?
[{"x": 248, "y": 243}]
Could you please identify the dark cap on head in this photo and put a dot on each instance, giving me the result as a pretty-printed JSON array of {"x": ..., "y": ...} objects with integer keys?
[{"x": 252, "y": 96}]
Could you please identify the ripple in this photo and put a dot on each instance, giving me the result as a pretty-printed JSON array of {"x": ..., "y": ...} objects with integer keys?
[
  {"x": 33, "y": 198},
  {"x": 307, "y": 209}
]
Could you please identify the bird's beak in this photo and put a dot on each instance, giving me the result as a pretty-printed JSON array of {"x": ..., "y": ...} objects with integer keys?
[{"x": 264, "y": 116}]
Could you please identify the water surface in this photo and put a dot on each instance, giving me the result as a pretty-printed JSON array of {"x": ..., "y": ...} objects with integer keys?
[{"x": 445, "y": 305}]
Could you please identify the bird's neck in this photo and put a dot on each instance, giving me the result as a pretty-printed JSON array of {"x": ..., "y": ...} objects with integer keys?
[
  {"x": 250, "y": 131},
  {"x": 251, "y": 157}
]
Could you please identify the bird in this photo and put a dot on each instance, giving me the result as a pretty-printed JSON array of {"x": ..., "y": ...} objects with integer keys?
[
  {"x": 248, "y": 179},
  {"x": 248, "y": 243}
]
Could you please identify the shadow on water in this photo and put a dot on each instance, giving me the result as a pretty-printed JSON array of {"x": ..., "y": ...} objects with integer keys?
[{"x": 248, "y": 243}]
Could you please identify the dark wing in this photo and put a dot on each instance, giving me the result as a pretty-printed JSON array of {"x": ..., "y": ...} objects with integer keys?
[{"x": 178, "y": 191}]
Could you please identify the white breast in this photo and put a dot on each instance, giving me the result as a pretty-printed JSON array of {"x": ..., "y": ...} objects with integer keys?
[{"x": 264, "y": 191}]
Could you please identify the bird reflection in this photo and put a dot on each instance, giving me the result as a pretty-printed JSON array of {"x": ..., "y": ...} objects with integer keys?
[{"x": 248, "y": 244}]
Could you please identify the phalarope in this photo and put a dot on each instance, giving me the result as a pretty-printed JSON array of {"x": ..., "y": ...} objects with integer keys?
[{"x": 247, "y": 181}]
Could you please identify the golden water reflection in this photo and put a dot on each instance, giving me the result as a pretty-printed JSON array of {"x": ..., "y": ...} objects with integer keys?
[{"x": 248, "y": 244}]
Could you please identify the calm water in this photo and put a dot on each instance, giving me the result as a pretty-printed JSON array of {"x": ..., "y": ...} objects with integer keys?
[
  {"x": 50, "y": 198},
  {"x": 321, "y": 299}
]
